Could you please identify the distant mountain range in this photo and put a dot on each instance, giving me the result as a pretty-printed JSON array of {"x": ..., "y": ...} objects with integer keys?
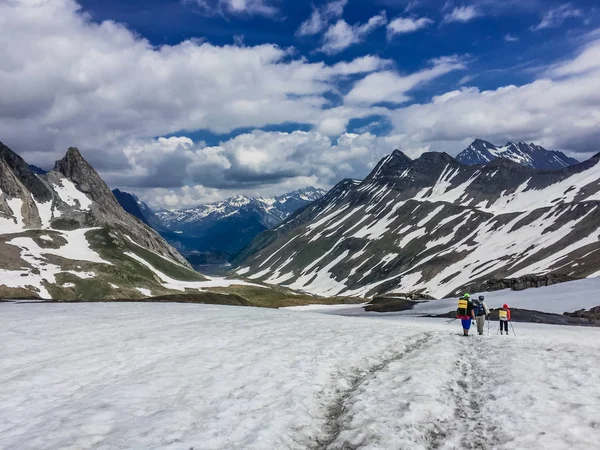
[
  {"x": 435, "y": 227},
  {"x": 530, "y": 155},
  {"x": 214, "y": 232}
]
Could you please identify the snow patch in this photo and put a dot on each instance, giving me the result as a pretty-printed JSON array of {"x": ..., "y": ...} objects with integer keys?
[{"x": 68, "y": 193}]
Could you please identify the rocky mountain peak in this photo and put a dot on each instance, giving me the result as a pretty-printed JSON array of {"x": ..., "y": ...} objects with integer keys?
[
  {"x": 74, "y": 167},
  {"x": 390, "y": 166},
  {"x": 531, "y": 155},
  {"x": 480, "y": 143}
]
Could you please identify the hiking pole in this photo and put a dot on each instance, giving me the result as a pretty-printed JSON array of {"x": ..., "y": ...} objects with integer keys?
[
  {"x": 488, "y": 321},
  {"x": 452, "y": 320},
  {"x": 513, "y": 328}
]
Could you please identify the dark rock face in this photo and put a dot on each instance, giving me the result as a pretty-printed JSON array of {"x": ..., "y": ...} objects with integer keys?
[
  {"x": 434, "y": 226},
  {"x": 130, "y": 204},
  {"x": 21, "y": 171},
  {"x": 530, "y": 155}
]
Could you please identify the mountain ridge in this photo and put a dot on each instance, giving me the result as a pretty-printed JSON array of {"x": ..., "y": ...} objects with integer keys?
[
  {"x": 435, "y": 226},
  {"x": 225, "y": 228},
  {"x": 531, "y": 155}
]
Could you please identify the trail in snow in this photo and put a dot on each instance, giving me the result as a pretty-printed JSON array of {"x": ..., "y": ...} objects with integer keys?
[
  {"x": 339, "y": 410},
  {"x": 180, "y": 376}
]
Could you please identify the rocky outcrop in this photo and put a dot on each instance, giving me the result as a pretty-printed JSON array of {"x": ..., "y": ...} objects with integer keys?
[
  {"x": 519, "y": 284},
  {"x": 593, "y": 314},
  {"x": 21, "y": 171},
  {"x": 11, "y": 187}
]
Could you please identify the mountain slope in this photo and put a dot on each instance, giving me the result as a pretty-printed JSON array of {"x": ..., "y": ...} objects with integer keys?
[
  {"x": 230, "y": 225},
  {"x": 131, "y": 204},
  {"x": 63, "y": 235},
  {"x": 436, "y": 226},
  {"x": 530, "y": 155}
]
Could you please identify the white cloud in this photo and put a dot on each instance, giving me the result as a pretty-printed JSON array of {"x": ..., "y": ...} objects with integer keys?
[
  {"x": 532, "y": 112},
  {"x": 389, "y": 86},
  {"x": 257, "y": 163},
  {"x": 403, "y": 25},
  {"x": 587, "y": 61},
  {"x": 67, "y": 81},
  {"x": 556, "y": 16},
  {"x": 235, "y": 7},
  {"x": 462, "y": 14},
  {"x": 320, "y": 17},
  {"x": 412, "y": 5},
  {"x": 510, "y": 38},
  {"x": 341, "y": 35}
]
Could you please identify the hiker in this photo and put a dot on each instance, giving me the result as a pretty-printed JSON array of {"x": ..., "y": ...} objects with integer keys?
[
  {"x": 504, "y": 315},
  {"x": 465, "y": 313},
  {"x": 481, "y": 313}
]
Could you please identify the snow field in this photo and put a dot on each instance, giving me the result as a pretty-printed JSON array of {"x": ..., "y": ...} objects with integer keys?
[{"x": 181, "y": 376}]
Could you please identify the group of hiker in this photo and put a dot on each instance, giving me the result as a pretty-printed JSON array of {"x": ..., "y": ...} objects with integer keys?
[{"x": 475, "y": 310}]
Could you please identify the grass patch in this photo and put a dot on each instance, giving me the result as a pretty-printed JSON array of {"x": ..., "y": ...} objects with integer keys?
[
  {"x": 278, "y": 297},
  {"x": 17, "y": 293},
  {"x": 111, "y": 247}
]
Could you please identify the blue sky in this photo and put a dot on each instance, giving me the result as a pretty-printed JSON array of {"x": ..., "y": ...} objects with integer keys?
[{"x": 189, "y": 101}]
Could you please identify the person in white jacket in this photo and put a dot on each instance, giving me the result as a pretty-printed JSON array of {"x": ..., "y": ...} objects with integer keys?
[{"x": 481, "y": 313}]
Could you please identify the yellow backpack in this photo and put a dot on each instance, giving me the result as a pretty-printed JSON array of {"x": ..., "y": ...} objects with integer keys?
[
  {"x": 463, "y": 307},
  {"x": 503, "y": 314}
]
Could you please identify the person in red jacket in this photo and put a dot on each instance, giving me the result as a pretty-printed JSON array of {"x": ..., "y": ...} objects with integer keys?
[{"x": 504, "y": 315}]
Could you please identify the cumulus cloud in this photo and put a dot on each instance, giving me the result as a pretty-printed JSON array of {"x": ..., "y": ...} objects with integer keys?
[
  {"x": 341, "y": 35},
  {"x": 257, "y": 163},
  {"x": 403, "y": 25},
  {"x": 68, "y": 81},
  {"x": 320, "y": 17},
  {"x": 235, "y": 7},
  {"x": 533, "y": 112},
  {"x": 556, "y": 16},
  {"x": 462, "y": 14},
  {"x": 388, "y": 86},
  {"x": 510, "y": 38}
]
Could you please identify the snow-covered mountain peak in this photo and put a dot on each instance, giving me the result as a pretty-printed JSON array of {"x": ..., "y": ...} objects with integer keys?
[
  {"x": 229, "y": 225},
  {"x": 530, "y": 155},
  {"x": 236, "y": 201}
]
